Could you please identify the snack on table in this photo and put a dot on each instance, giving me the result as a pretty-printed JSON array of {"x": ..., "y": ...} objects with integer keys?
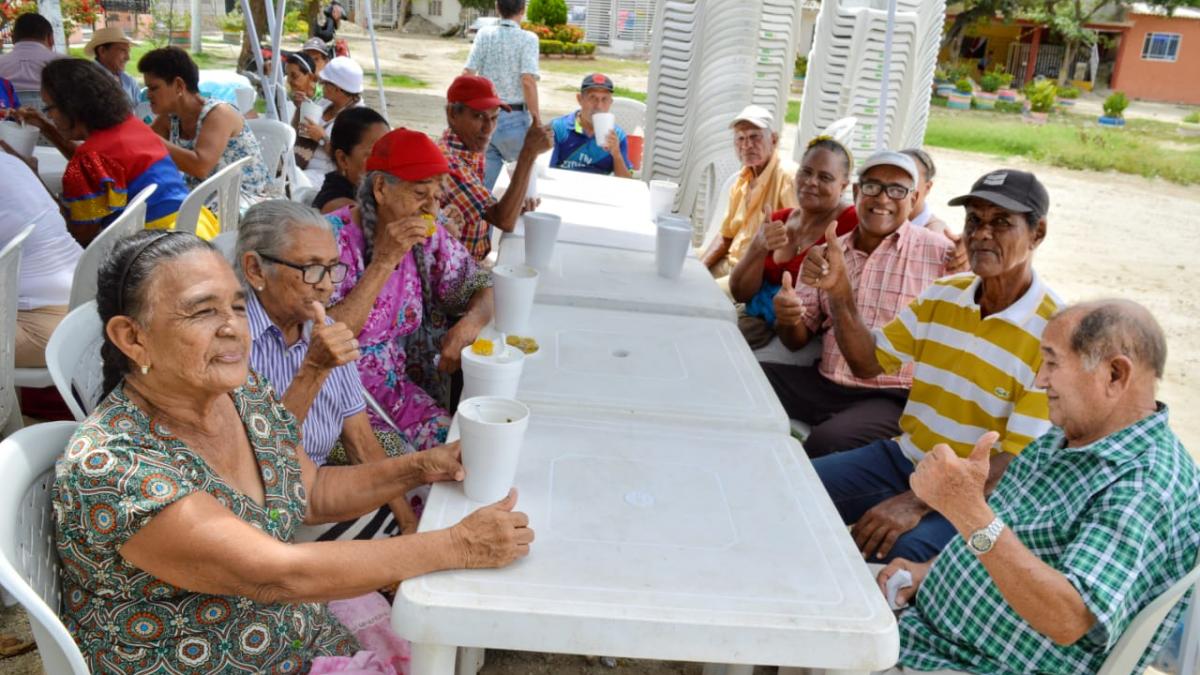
[
  {"x": 432, "y": 225},
  {"x": 483, "y": 347},
  {"x": 525, "y": 344}
]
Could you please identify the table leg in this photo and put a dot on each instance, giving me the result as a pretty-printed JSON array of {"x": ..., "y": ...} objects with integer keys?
[
  {"x": 430, "y": 659},
  {"x": 470, "y": 660}
]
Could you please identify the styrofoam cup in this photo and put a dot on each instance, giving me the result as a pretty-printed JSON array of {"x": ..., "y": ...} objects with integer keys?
[
  {"x": 492, "y": 430},
  {"x": 496, "y": 375},
  {"x": 311, "y": 111},
  {"x": 602, "y": 123},
  {"x": 671, "y": 244},
  {"x": 21, "y": 138},
  {"x": 541, "y": 231},
  {"x": 514, "y": 288},
  {"x": 662, "y": 197}
]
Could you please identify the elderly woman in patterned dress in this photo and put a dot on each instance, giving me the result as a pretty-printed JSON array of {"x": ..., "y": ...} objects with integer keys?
[
  {"x": 177, "y": 499},
  {"x": 408, "y": 280}
]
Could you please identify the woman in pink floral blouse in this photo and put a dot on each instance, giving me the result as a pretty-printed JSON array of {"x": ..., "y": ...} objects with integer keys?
[{"x": 416, "y": 299}]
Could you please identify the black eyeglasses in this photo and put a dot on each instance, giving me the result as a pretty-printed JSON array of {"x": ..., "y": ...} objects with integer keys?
[
  {"x": 314, "y": 273},
  {"x": 896, "y": 191}
]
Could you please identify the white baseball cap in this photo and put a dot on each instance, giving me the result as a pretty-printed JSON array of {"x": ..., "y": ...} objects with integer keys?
[
  {"x": 344, "y": 73},
  {"x": 891, "y": 158},
  {"x": 756, "y": 115}
]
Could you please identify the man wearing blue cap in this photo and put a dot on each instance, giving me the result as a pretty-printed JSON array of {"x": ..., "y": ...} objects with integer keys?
[{"x": 575, "y": 144}]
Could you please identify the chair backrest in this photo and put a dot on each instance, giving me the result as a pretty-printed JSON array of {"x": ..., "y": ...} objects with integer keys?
[
  {"x": 132, "y": 219},
  {"x": 73, "y": 359},
  {"x": 1133, "y": 643},
  {"x": 29, "y": 565},
  {"x": 246, "y": 97},
  {"x": 277, "y": 140},
  {"x": 226, "y": 184},
  {"x": 630, "y": 113},
  {"x": 226, "y": 243},
  {"x": 10, "y": 267}
]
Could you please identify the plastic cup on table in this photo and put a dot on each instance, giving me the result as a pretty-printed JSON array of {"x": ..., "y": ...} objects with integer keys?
[
  {"x": 671, "y": 244},
  {"x": 492, "y": 430},
  {"x": 662, "y": 197},
  {"x": 541, "y": 231},
  {"x": 514, "y": 287},
  {"x": 21, "y": 138},
  {"x": 311, "y": 111},
  {"x": 492, "y": 375},
  {"x": 602, "y": 123}
]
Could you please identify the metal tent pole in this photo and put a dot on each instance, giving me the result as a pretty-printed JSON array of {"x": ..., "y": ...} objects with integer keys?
[
  {"x": 258, "y": 59},
  {"x": 375, "y": 55}
]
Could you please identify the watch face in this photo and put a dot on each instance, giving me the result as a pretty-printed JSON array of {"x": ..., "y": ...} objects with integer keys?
[{"x": 981, "y": 542}]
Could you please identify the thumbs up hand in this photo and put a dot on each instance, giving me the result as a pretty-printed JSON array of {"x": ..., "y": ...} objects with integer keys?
[
  {"x": 953, "y": 485},
  {"x": 825, "y": 266},
  {"x": 331, "y": 345},
  {"x": 789, "y": 308},
  {"x": 776, "y": 234}
]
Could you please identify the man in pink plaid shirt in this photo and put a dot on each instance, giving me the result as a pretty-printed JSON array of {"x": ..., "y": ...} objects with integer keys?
[{"x": 889, "y": 262}]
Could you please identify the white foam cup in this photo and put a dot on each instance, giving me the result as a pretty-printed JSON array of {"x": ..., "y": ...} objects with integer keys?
[
  {"x": 495, "y": 375},
  {"x": 602, "y": 123},
  {"x": 662, "y": 197},
  {"x": 671, "y": 244},
  {"x": 22, "y": 138},
  {"x": 541, "y": 231},
  {"x": 492, "y": 430},
  {"x": 514, "y": 288}
]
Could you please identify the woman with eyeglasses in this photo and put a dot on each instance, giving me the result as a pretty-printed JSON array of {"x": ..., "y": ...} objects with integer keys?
[{"x": 288, "y": 259}]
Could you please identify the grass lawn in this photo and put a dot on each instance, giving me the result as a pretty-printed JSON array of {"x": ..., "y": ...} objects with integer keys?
[
  {"x": 1144, "y": 147},
  {"x": 203, "y": 59},
  {"x": 611, "y": 67},
  {"x": 793, "y": 112},
  {"x": 619, "y": 91},
  {"x": 401, "y": 81}
]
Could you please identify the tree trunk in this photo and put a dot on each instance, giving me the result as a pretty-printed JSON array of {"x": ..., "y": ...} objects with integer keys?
[
  {"x": 1068, "y": 62},
  {"x": 405, "y": 6},
  {"x": 964, "y": 19},
  {"x": 311, "y": 12}
]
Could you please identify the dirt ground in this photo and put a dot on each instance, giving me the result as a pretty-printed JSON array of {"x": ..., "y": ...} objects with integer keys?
[{"x": 1109, "y": 235}]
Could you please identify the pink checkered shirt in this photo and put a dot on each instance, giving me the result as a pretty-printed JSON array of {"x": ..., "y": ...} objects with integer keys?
[
  {"x": 884, "y": 283},
  {"x": 465, "y": 198}
]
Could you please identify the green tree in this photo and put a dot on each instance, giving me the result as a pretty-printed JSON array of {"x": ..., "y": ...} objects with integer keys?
[{"x": 477, "y": 5}]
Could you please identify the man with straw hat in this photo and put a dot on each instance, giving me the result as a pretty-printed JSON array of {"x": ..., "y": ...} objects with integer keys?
[{"x": 110, "y": 47}]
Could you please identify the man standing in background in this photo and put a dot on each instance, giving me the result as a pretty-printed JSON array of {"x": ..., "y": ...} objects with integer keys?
[{"x": 508, "y": 56}]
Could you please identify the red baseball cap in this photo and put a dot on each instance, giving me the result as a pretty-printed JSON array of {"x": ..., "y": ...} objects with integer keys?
[
  {"x": 407, "y": 155},
  {"x": 476, "y": 93}
]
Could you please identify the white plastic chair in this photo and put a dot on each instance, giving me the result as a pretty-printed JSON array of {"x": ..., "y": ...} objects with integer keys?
[
  {"x": 719, "y": 208},
  {"x": 10, "y": 267},
  {"x": 1136, "y": 638},
  {"x": 226, "y": 184},
  {"x": 28, "y": 562},
  {"x": 226, "y": 244},
  {"x": 132, "y": 219},
  {"x": 277, "y": 140},
  {"x": 73, "y": 358},
  {"x": 246, "y": 97},
  {"x": 630, "y": 113}
]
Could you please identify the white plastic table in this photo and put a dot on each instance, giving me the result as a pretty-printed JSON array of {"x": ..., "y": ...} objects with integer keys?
[
  {"x": 684, "y": 369},
  {"x": 664, "y": 542},
  {"x": 610, "y": 278}
]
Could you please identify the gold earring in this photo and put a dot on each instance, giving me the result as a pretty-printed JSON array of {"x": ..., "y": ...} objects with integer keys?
[
  {"x": 259, "y": 289},
  {"x": 145, "y": 370}
]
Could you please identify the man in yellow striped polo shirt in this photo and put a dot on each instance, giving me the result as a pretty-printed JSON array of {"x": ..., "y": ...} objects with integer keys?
[{"x": 974, "y": 340}]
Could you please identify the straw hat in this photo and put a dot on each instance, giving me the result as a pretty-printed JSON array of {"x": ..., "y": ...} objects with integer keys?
[{"x": 105, "y": 36}]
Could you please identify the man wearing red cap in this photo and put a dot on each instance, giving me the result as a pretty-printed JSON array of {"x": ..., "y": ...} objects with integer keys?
[{"x": 472, "y": 108}]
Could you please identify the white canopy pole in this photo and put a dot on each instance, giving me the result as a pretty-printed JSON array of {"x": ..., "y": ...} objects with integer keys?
[
  {"x": 197, "y": 24},
  {"x": 52, "y": 10},
  {"x": 258, "y": 59},
  {"x": 277, "y": 57},
  {"x": 375, "y": 54},
  {"x": 881, "y": 123}
]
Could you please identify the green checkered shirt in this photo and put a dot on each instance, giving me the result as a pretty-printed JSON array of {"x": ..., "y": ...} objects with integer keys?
[{"x": 1119, "y": 517}]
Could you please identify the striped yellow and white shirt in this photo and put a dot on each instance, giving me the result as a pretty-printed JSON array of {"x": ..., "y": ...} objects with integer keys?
[{"x": 971, "y": 374}]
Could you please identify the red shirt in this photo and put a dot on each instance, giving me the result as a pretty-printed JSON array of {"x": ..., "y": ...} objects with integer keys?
[{"x": 773, "y": 272}]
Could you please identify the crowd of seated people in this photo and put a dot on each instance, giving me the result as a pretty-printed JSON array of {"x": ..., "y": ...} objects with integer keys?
[{"x": 1002, "y": 448}]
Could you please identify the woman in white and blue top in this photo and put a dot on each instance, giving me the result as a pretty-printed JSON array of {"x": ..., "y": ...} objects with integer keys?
[{"x": 288, "y": 259}]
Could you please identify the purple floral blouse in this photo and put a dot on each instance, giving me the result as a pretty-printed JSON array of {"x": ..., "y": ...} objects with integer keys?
[{"x": 402, "y": 336}]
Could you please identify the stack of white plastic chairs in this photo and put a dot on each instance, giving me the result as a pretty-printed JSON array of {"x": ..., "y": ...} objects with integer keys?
[
  {"x": 709, "y": 59},
  {"x": 846, "y": 71}
]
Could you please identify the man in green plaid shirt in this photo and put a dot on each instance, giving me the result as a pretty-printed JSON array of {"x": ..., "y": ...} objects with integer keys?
[{"x": 1090, "y": 523}]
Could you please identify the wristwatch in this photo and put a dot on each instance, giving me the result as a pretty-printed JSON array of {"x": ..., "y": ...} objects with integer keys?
[{"x": 982, "y": 540}]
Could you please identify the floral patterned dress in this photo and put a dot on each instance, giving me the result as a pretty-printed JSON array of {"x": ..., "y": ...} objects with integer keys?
[
  {"x": 256, "y": 178},
  {"x": 119, "y": 470},
  {"x": 402, "y": 337}
]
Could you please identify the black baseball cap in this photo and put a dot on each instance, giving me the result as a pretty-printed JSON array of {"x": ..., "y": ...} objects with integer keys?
[
  {"x": 596, "y": 81},
  {"x": 1016, "y": 191}
]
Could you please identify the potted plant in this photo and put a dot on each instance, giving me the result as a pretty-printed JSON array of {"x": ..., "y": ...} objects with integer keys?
[
  {"x": 960, "y": 97},
  {"x": 1040, "y": 95},
  {"x": 1114, "y": 110},
  {"x": 1005, "y": 92},
  {"x": 800, "y": 70},
  {"x": 232, "y": 25},
  {"x": 1190, "y": 126},
  {"x": 944, "y": 77},
  {"x": 1067, "y": 96},
  {"x": 989, "y": 84}
]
